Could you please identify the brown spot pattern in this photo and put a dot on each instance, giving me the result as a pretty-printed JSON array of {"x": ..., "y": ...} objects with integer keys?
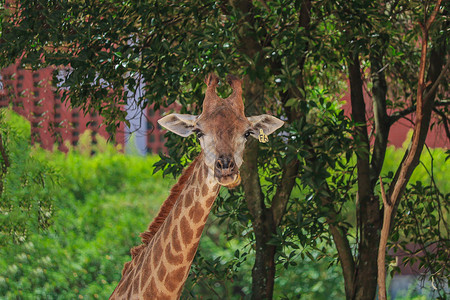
[
  {"x": 130, "y": 292},
  {"x": 165, "y": 233},
  {"x": 200, "y": 175},
  {"x": 186, "y": 231},
  {"x": 172, "y": 258},
  {"x": 189, "y": 198},
  {"x": 145, "y": 268},
  {"x": 161, "y": 272},
  {"x": 177, "y": 210},
  {"x": 175, "y": 240},
  {"x": 168, "y": 220},
  {"x": 124, "y": 285},
  {"x": 196, "y": 212},
  {"x": 210, "y": 201},
  {"x": 145, "y": 273},
  {"x": 197, "y": 192},
  {"x": 164, "y": 297},
  {"x": 120, "y": 290},
  {"x": 151, "y": 291},
  {"x": 140, "y": 259},
  {"x": 205, "y": 171},
  {"x": 136, "y": 284},
  {"x": 191, "y": 253},
  {"x": 157, "y": 252},
  {"x": 205, "y": 190},
  {"x": 199, "y": 232},
  {"x": 175, "y": 278}
]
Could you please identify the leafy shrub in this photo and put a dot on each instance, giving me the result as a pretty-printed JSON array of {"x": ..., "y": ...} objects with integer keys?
[
  {"x": 26, "y": 182},
  {"x": 103, "y": 202}
]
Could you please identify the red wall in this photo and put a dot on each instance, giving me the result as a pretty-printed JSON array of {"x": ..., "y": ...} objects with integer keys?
[
  {"x": 52, "y": 122},
  {"x": 155, "y": 133}
]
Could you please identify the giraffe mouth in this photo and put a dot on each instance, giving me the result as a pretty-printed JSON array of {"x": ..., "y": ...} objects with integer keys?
[{"x": 230, "y": 181}]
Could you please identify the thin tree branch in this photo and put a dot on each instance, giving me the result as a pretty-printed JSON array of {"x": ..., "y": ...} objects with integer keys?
[
  {"x": 381, "y": 261},
  {"x": 284, "y": 190},
  {"x": 400, "y": 114},
  {"x": 346, "y": 258},
  {"x": 435, "y": 85},
  {"x": 430, "y": 93},
  {"x": 433, "y": 15}
]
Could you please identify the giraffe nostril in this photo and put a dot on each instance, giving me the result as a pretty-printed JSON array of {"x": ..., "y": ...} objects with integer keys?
[{"x": 225, "y": 165}]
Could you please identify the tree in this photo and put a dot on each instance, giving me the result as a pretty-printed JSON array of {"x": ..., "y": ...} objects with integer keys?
[{"x": 295, "y": 57}]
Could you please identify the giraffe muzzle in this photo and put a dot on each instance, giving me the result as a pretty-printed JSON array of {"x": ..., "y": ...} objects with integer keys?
[{"x": 226, "y": 171}]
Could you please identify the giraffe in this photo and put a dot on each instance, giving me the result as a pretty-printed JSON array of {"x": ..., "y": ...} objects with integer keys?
[{"x": 160, "y": 265}]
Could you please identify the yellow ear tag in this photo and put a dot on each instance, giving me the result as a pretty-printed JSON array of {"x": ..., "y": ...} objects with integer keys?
[{"x": 263, "y": 137}]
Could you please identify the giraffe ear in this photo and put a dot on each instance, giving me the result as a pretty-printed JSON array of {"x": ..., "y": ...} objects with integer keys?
[
  {"x": 179, "y": 123},
  {"x": 267, "y": 123}
]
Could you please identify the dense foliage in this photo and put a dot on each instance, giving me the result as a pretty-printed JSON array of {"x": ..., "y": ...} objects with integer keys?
[
  {"x": 27, "y": 184},
  {"x": 101, "y": 204},
  {"x": 317, "y": 182}
]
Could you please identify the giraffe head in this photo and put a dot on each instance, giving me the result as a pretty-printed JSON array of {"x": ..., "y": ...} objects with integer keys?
[{"x": 222, "y": 129}]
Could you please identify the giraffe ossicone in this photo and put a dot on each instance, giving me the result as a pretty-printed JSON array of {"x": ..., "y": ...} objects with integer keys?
[{"x": 161, "y": 264}]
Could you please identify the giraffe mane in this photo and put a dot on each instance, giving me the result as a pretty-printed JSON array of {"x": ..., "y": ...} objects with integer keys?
[{"x": 165, "y": 209}]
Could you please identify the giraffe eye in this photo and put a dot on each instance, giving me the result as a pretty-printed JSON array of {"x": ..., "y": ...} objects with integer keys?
[
  {"x": 199, "y": 133},
  {"x": 248, "y": 133}
]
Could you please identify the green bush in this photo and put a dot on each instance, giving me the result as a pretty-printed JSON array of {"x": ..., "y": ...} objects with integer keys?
[
  {"x": 27, "y": 182},
  {"x": 102, "y": 204}
]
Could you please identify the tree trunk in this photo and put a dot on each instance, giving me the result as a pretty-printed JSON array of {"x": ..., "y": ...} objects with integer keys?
[
  {"x": 369, "y": 222},
  {"x": 263, "y": 272}
]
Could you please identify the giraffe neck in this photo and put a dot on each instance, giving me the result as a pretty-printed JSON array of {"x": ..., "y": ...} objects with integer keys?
[{"x": 159, "y": 270}]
